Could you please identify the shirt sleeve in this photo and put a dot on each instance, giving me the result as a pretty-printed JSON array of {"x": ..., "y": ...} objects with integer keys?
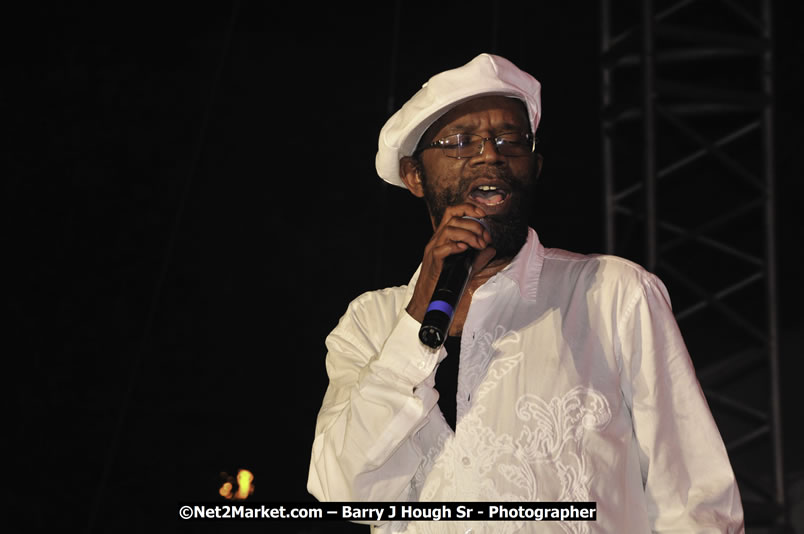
[
  {"x": 380, "y": 392},
  {"x": 689, "y": 483}
]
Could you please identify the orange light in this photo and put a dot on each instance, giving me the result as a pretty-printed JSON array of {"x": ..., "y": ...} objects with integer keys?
[{"x": 244, "y": 487}]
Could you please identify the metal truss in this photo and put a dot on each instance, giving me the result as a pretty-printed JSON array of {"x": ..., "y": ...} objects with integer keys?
[{"x": 687, "y": 136}]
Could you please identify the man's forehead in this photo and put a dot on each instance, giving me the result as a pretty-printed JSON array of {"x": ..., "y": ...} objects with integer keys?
[{"x": 511, "y": 112}]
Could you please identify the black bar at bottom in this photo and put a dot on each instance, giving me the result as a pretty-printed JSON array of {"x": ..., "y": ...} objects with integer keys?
[{"x": 381, "y": 512}]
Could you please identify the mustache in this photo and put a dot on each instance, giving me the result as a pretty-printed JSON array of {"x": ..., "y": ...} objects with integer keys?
[{"x": 437, "y": 201}]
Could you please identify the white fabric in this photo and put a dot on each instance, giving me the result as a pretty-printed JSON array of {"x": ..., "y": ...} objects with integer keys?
[
  {"x": 574, "y": 385},
  {"x": 485, "y": 75}
]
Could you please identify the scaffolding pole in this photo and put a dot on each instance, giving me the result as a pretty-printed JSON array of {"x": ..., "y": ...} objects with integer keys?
[{"x": 688, "y": 166}]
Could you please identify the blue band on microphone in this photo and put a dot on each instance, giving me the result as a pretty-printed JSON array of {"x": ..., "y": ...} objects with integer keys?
[{"x": 441, "y": 306}]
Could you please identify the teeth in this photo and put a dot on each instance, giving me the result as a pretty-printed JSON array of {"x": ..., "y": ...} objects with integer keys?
[{"x": 487, "y": 188}]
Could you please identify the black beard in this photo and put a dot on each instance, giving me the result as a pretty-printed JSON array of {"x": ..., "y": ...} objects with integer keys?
[{"x": 509, "y": 231}]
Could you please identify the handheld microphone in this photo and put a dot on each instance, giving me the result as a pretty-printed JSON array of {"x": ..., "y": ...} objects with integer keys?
[{"x": 456, "y": 272}]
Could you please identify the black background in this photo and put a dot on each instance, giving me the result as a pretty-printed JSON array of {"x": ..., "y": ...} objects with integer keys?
[{"x": 190, "y": 202}]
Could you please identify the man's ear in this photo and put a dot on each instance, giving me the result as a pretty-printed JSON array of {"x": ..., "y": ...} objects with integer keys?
[{"x": 411, "y": 174}]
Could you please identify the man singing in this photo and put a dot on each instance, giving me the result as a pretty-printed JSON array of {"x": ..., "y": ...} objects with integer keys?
[{"x": 563, "y": 377}]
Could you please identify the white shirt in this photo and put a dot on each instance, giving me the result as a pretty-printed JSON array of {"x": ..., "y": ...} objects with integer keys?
[{"x": 574, "y": 385}]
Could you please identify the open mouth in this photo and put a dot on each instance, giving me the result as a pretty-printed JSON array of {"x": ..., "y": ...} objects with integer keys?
[{"x": 489, "y": 195}]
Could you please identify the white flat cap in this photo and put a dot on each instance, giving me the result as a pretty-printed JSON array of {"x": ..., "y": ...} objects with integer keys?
[{"x": 483, "y": 76}]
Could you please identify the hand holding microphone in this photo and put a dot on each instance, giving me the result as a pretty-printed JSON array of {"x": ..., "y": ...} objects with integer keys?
[
  {"x": 455, "y": 274},
  {"x": 450, "y": 259}
]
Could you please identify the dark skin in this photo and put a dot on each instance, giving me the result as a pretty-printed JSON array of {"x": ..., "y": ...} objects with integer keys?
[{"x": 486, "y": 116}]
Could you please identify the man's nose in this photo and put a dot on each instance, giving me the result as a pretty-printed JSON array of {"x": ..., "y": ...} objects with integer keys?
[{"x": 490, "y": 154}]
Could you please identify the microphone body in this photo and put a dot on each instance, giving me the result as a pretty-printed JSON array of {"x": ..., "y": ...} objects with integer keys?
[
  {"x": 450, "y": 286},
  {"x": 456, "y": 272}
]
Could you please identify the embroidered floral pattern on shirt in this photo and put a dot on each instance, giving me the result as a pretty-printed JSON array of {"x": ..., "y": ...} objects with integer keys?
[
  {"x": 464, "y": 466},
  {"x": 552, "y": 435}
]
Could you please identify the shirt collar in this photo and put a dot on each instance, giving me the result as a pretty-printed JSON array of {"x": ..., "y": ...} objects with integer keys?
[{"x": 526, "y": 267}]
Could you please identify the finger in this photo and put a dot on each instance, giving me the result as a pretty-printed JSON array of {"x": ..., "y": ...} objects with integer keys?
[
  {"x": 461, "y": 210},
  {"x": 466, "y": 216},
  {"x": 473, "y": 235},
  {"x": 440, "y": 252}
]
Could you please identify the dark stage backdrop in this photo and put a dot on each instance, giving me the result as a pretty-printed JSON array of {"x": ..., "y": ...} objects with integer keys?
[{"x": 190, "y": 202}]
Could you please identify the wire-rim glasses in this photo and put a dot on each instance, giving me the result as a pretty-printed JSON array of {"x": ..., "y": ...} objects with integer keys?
[{"x": 462, "y": 145}]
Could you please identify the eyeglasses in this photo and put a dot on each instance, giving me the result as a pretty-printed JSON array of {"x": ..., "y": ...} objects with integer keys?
[{"x": 461, "y": 145}]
